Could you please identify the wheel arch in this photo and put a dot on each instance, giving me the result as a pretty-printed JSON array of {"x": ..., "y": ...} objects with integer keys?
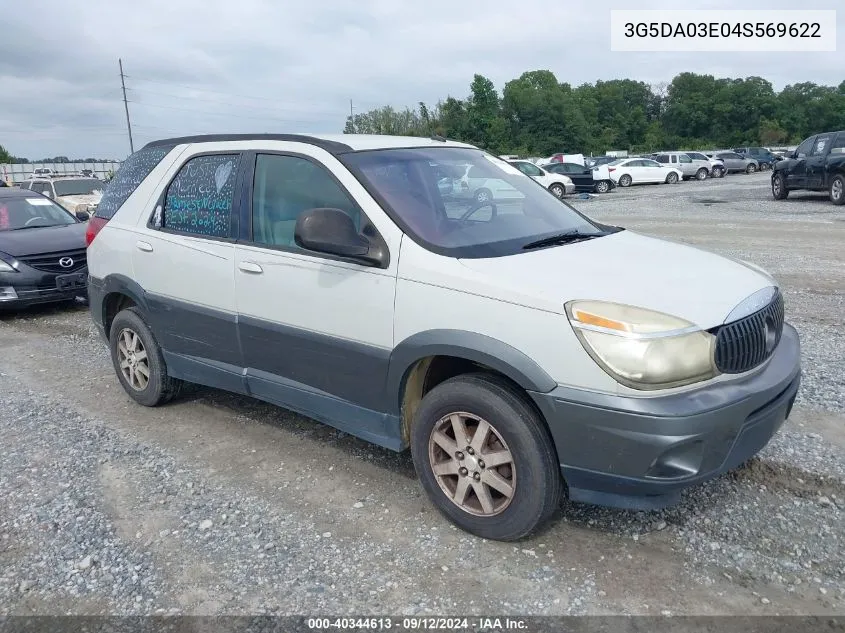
[{"x": 117, "y": 292}]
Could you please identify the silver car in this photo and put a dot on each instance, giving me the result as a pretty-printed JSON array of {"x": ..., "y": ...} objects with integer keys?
[
  {"x": 715, "y": 166},
  {"x": 689, "y": 166},
  {"x": 736, "y": 163}
]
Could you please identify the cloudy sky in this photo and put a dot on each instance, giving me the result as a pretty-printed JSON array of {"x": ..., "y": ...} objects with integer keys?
[{"x": 202, "y": 66}]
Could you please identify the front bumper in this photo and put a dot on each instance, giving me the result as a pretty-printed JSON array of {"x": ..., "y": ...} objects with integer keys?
[
  {"x": 31, "y": 287},
  {"x": 640, "y": 452},
  {"x": 570, "y": 189}
]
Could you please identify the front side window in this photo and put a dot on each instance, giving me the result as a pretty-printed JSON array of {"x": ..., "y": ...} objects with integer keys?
[
  {"x": 40, "y": 187},
  {"x": 820, "y": 145},
  {"x": 78, "y": 187},
  {"x": 30, "y": 213},
  {"x": 528, "y": 169},
  {"x": 696, "y": 156},
  {"x": 805, "y": 148},
  {"x": 484, "y": 207},
  {"x": 284, "y": 187},
  {"x": 838, "y": 146},
  {"x": 199, "y": 199},
  {"x": 684, "y": 158}
]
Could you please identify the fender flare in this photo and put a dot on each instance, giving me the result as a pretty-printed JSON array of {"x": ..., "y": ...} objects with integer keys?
[{"x": 472, "y": 346}]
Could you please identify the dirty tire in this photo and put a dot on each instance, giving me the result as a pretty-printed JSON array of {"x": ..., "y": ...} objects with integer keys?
[
  {"x": 602, "y": 186},
  {"x": 672, "y": 178},
  {"x": 160, "y": 388},
  {"x": 837, "y": 190},
  {"x": 625, "y": 180},
  {"x": 537, "y": 482},
  {"x": 558, "y": 190},
  {"x": 701, "y": 174},
  {"x": 751, "y": 169},
  {"x": 779, "y": 190}
]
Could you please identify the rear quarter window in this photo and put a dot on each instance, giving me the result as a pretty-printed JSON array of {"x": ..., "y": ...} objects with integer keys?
[{"x": 131, "y": 174}]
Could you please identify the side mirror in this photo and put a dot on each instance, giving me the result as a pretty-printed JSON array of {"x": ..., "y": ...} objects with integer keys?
[
  {"x": 83, "y": 215},
  {"x": 332, "y": 231}
]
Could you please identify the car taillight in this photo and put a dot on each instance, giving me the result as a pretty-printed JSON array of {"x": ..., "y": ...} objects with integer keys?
[
  {"x": 611, "y": 169},
  {"x": 95, "y": 225}
]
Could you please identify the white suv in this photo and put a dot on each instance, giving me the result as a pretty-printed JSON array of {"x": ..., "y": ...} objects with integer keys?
[{"x": 517, "y": 347}]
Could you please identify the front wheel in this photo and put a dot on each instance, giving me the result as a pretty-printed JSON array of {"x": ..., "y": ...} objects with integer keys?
[
  {"x": 751, "y": 168},
  {"x": 485, "y": 457},
  {"x": 779, "y": 190},
  {"x": 483, "y": 196},
  {"x": 602, "y": 186},
  {"x": 672, "y": 178},
  {"x": 558, "y": 190},
  {"x": 625, "y": 180},
  {"x": 837, "y": 190},
  {"x": 701, "y": 174}
]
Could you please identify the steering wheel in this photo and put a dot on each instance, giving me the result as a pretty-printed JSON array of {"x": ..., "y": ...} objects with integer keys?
[
  {"x": 32, "y": 220},
  {"x": 476, "y": 206}
]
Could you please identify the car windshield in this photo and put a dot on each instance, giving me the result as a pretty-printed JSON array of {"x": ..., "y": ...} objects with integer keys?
[
  {"x": 464, "y": 202},
  {"x": 21, "y": 213},
  {"x": 78, "y": 187}
]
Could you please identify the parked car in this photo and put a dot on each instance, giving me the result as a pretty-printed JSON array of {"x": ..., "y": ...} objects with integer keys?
[
  {"x": 43, "y": 172},
  {"x": 735, "y": 163},
  {"x": 689, "y": 167},
  {"x": 559, "y": 184},
  {"x": 637, "y": 171},
  {"x": 75, "y": 193},
  {"x": 765, "y": 159},
  {"x": 516, "y": 351},
  {"x": 585, "y": 179},
  {"x": 560, "y": 157},
  {"x": 818, "y": 164},
  {"x": 42, "y": 250},
  {"x": 476, "y": 184},
  {"x": 715, "y": 166}
]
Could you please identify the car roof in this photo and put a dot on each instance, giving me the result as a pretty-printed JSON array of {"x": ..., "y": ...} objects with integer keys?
[
  {"x": 333, "y": 143},
  {"x": 14, "y": 192}
]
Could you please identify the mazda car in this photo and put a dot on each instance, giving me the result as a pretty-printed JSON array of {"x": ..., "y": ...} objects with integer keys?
[{"x": 42, "y": 250}]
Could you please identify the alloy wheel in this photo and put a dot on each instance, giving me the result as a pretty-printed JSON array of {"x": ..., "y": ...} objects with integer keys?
[
  {"x": 132, "y": 357},
  {"x": 472, "y": 464}
]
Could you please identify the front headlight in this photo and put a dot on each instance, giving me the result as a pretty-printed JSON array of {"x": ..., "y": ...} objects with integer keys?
[
  {"x": 6, "y": 264},
  {"x": 641, "y": 348}
]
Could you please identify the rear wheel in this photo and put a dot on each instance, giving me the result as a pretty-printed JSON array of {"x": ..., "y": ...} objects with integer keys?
[
  {"x": 602, "y": 186},
  {"x": 625, "y": 180},
  {"x": 485, "y": 457},
  {"x": 779, "y": 190},
  {"x": 701, "y": 174},
  {"x": 837, "y": 190},
  {"x": 138, "y": 360}
]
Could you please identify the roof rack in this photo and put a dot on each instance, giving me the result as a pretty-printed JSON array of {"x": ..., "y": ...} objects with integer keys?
[{"x": 333, "y": 147}]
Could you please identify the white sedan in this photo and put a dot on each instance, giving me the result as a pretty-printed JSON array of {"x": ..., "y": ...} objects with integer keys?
[
  {"x": 637, "y": 171},
  {"x": 559, "y": 184}
]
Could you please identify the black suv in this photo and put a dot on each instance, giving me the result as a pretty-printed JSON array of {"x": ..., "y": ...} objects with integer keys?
[{"x": 817, "y": 165}]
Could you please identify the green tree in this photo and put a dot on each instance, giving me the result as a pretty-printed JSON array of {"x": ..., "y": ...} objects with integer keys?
[{"x": 5, "y": 157}]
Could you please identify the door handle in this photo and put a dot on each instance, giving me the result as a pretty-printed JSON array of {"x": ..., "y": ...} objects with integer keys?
[
  {"x": 251, "y": 267},
  {"x": 144, "y": 246}
]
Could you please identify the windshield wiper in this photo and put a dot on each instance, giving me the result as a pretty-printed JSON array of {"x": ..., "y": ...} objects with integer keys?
[
  {"x": 21, "y": 228},
  {"x": 562, "y": 238}
]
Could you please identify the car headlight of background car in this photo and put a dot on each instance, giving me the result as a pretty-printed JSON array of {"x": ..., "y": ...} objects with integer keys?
[
  {"x": 7, "y": 263},
  {"x": 641, "y": 348}
]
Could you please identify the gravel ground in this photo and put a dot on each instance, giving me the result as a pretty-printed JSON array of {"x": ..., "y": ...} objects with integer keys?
[{"x": 218, "y": 504}]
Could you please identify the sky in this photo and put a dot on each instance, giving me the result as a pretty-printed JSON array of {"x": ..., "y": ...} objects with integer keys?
[{"x": 217, "y": 66}]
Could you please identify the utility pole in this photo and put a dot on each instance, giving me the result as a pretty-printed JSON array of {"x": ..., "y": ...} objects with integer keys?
[
  {"x": 126, "y": 107},
  {"x": 351, "y": 117}
]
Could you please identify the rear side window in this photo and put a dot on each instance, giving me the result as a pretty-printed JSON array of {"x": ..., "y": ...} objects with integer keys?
[
  {"x": 131, "y": 174},
  {"x": 199, "y": 199}
]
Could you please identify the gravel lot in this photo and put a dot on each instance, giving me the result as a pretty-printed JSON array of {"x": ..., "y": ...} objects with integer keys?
[{"x": 220, "y": 504}]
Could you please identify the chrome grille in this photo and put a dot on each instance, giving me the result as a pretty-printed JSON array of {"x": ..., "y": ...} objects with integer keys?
[
  {"x": 743, "y": 344},
  {"x": 49, "y": 262}
]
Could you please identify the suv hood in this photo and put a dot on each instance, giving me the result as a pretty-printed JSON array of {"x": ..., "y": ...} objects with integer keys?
[
  {"x": 47, "y": 239},
  {"x": 626, "y": 267}
]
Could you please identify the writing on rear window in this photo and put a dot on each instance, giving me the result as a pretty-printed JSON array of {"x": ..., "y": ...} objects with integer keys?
[{"x": 199, "y": 200}]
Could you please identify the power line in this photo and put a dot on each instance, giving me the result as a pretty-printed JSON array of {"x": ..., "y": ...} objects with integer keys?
[{"x": 225, "y": 114}]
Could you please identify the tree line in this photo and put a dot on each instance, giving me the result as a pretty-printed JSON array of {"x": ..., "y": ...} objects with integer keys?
[
  {"x": 537, "y": 115},
  {"x": 6, "y": 157}
]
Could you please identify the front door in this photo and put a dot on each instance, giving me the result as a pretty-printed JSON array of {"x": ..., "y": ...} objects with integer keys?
[
  {"x": 316, "y": 330},
  {"x": 796, "y": 177}
]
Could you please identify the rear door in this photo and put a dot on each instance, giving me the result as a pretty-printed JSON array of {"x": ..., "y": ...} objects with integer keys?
[
  {"x": 184, "y": 257},
  {"x": 816, "y": 161}
]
